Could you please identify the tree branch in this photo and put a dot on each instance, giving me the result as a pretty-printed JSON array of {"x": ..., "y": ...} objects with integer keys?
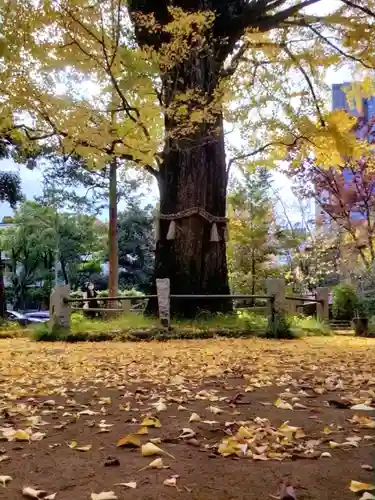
[
  {"x": 333, "y": 46},
  {"x": 268, "y": 22},
  {"x": 260, "y": 150},
  {"x": 309, "y": 83},
  {"x": 365, "y": 10}
]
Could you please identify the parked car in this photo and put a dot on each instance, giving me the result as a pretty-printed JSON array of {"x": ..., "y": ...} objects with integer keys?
[
  {"x": 41, "y": 316},
  {"x": 20, "y": 318}
]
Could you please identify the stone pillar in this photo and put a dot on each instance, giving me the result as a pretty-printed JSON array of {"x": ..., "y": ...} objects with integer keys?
[
  {"x": 59, "y": 310},
  {"x": 291, "y": 306},
  {"x": 126, "y": 307},
  {"x": 322, "y": 308},
  {"x": 276, "y": 288},
  {"x": 163, "y": 290}
]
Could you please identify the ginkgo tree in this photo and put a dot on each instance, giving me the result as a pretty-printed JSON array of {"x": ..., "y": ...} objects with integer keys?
[{"x": 152, "y": 84}]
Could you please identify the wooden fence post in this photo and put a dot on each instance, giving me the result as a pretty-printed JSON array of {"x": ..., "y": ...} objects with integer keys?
[
  {"x": 163, "y": 291},
  {"x": 276, "y": 289},
  {"x": 322, "y": 308},
  {"x": 59, "y": 309}
]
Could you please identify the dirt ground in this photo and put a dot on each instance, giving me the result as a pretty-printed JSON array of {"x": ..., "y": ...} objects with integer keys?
[{"x": 57, "y": 398}]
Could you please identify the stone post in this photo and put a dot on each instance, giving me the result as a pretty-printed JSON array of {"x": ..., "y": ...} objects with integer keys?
[
  {"x": 163, "y": 290},
  {"x": 59, "y": 310},
  {"x": 276, "y": 288},
  {"x": 126, "y": 307},
  {"x": 322, "y": 308}
]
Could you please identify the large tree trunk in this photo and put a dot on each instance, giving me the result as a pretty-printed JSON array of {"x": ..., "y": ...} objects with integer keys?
[
  {"x": 112, "y": 231},
  {"x": 193, "y": 175},
  {"x": 191, "y": 178},
  {"x": 2, "y": 291}
]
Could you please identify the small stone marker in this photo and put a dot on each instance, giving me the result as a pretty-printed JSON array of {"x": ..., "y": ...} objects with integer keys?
[
  {"x": 163, "y": 290},
  {"x": 59, "y": 310}
]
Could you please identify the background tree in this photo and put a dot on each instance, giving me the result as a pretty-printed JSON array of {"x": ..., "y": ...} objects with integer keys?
[
  {"x": 251, "y": 227},
  {"x": 10, "y": 192},
  {"x": 136, "y": 242},
  {"x": 346, "y": 197},
  {"x": 77, "y": 187},
  {"x": 32, "y": 241},
  {"x": 171, "y": 90}
]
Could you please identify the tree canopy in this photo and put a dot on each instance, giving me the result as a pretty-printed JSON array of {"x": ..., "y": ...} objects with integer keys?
[{"x": 90, "y": 88}]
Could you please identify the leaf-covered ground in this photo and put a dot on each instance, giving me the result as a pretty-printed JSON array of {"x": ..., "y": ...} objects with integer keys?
[{"x": 239, "y": 417}]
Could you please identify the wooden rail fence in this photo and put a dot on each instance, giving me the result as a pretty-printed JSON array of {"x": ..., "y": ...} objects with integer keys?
[{"x": 62, "y": 304}]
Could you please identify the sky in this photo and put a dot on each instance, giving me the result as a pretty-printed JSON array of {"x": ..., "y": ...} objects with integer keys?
[{"x": 32, "y": 180}]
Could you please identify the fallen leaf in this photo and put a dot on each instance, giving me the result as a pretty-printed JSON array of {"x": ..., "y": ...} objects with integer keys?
[
  {"x": 244, "y": 433},
  {"x": 150, "y": 449},
  {"x": 181, "y": 408},
  {"x": 155, "y": 464},
  {"x": 104, "y": 495},
  {"x": 151, "y": 422},
  {"x": 160, "y": 405},
  {"x": 194, "y": 418},
  {"x": 300, "y": 406},
  {"x": 4, "y": 458},
  {"x": 37, "y": 436},
  {"x": 125, "y": 407},
  {"x": 319, "y": 390},
  {"x": 142, "y": 431},
  {"x": 32, "y": 493},
  {"x": 4, "y": 480},
  {"x": 363, "y": 421},
  {"x": 171, "y": 481},
  {"x": 287, "y": 493},
  {"x": 283, "y": 405},
  {"x": 362, "y": 407},
  {"x": 129, "y": 441},
  {"x": 356, "y": 486},
  {"x": 177, "y": 380},
  {"x": 367, "y": 467},
  {"x": 132, "y": 485},
  {"x": 215, "y": 410},
  {"x": 155, "y": 440},
  {"x": 21, "y": 436},
  {"x": 105, "y": 401},
  {"x": 187, "y": 434},
  {"x": 367, "y": 496},
  {"x": 88, "y": 412}
]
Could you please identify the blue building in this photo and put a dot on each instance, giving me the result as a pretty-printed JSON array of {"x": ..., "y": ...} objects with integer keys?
[{"x": 365, "y": 128}]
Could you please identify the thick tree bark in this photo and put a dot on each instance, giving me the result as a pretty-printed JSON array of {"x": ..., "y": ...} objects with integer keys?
[
  {"x": 2, "y": 291},
  {"x": 193, "y": 175},
  {"x": 112, "y": 236}
]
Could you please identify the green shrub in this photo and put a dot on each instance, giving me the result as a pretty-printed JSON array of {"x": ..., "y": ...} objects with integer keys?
[
  {"x": 310, "y": 326},
  {"x": 10, "y": 330},
  {"x": 281, "y": 328},
  {"x": 41, "y": 332},
  {"x": 345, "y": 302}
]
